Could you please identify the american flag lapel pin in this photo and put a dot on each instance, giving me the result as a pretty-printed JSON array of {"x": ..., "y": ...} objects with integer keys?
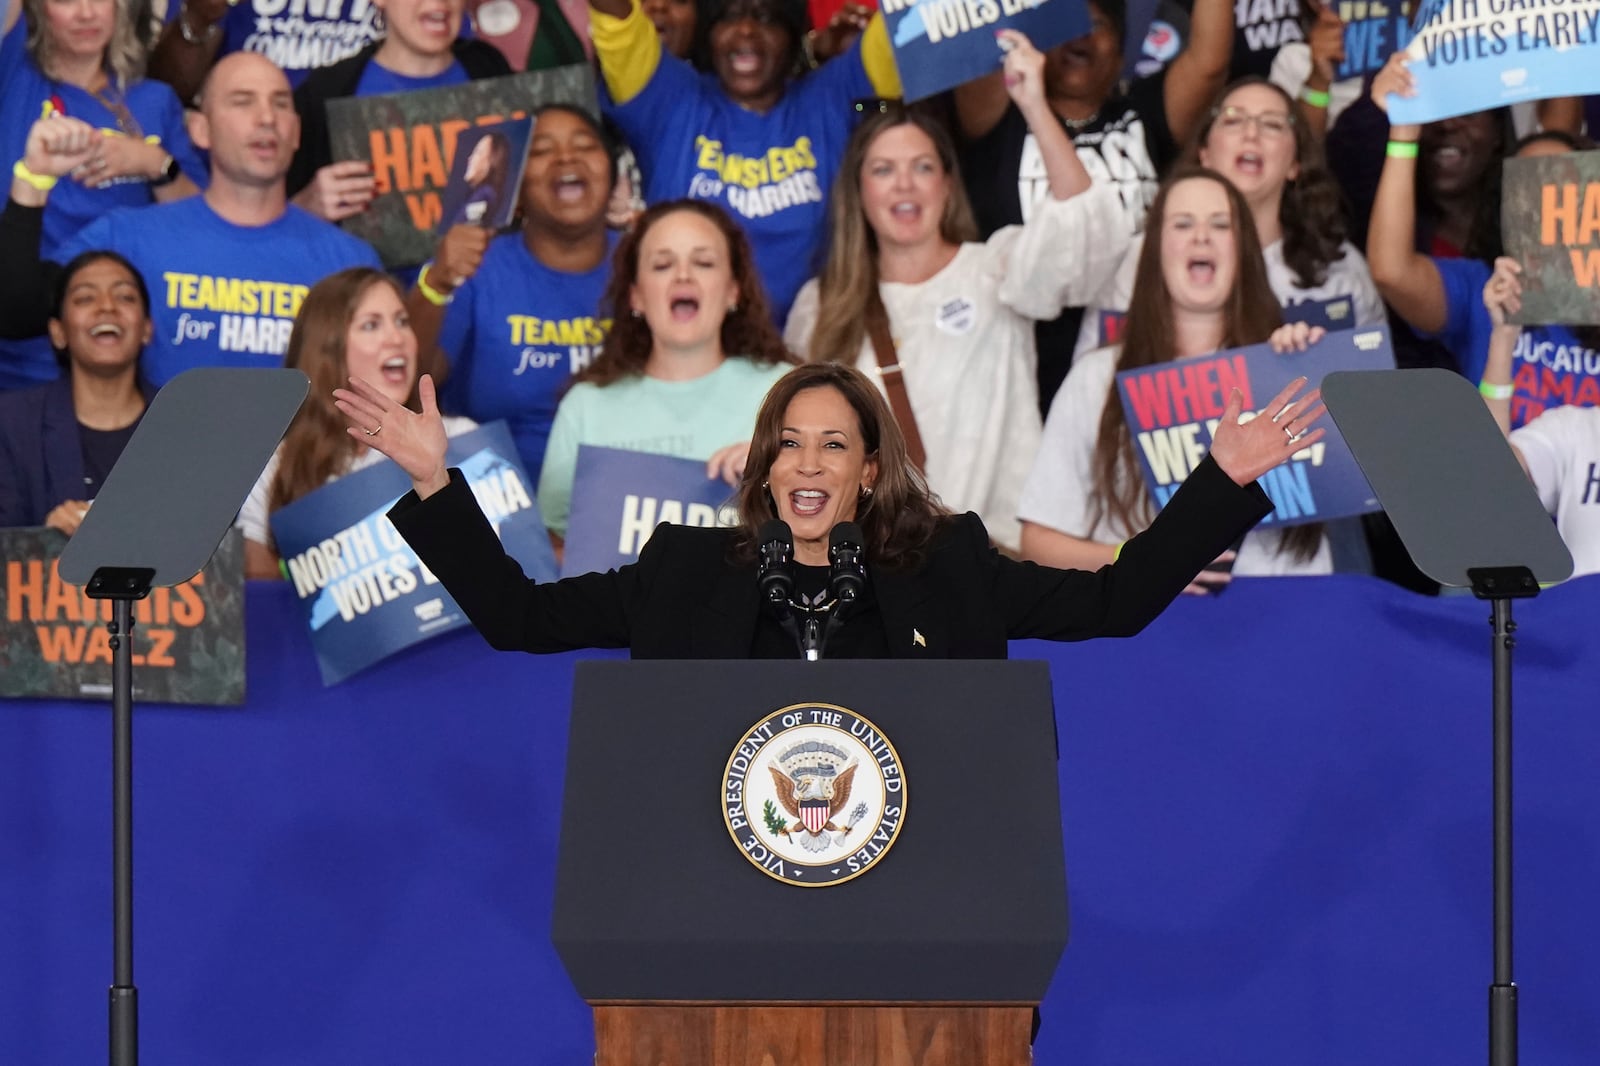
[{"x": 916, "y": 639}]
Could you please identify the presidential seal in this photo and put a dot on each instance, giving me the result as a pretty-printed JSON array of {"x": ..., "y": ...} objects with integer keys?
[{"x": 814, "y": 795}]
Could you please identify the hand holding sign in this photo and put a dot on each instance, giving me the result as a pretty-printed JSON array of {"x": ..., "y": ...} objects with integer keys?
[
  {"x": 1024, "y": 69},
  {"x": 458, "y": 257},
  {"x": 339, "y": 190},
  {"x": 1295, "y": 337},
  {"x": 1395, "y": 79},
  {"x": 416, "y": 442},
  {"x": 1502, "y": 294},
  {"x": 1247, "y": 451}
]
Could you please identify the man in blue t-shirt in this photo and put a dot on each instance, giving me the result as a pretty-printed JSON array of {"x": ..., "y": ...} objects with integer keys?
[{"x": 226, "y": 270}]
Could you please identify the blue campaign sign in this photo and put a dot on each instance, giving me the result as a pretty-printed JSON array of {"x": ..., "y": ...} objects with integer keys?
[
  {"x": 1173, "y": 408},
  {"x": 1336, "y": 312},
  {"x": 365, "y": 593},
  {"x": 939, "y": 44},
  {"x": 1369, "y": 42},
  {"x": 1471, "y": 55},
  {"x": 619, "y": 497}
]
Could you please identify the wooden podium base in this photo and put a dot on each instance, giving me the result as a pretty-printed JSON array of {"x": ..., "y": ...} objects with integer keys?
[{"x": 797, "y": 1034}]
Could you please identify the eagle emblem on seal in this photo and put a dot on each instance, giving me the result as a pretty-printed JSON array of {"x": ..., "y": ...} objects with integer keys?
[{"x": 813, "y": 780}]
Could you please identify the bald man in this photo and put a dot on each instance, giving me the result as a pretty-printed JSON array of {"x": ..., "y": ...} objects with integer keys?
[{"x": 226, "y": 270}]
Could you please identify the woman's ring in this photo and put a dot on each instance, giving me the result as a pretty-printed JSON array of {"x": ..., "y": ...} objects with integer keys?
[
  {"x": 1287, "y": 432},
  {"x": 374, "y": 432}
]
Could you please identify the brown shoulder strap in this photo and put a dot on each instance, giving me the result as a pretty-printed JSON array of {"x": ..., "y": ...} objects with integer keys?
[{"x": 894, "y": 382}]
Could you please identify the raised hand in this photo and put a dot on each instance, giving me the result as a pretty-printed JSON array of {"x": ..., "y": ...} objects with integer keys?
[
  {"x": 1327, "y": 43},
  {"x": 458, "y": 257},
  {"x": 415, "y": 441},
  {"x": 1246, "y": 451},
  {"x": 1023, "y": 67},
  {"x": 1502, "y": 294},
  {"x": 58, "y": 145},
  {"x": 339, "y": 190}
]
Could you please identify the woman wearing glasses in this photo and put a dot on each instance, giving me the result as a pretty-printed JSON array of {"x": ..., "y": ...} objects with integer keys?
[
  {"x": 1252, "y": 137},
  {"x": 1200, "y": 287},
  {"x": 907, "y": 284},
  {"x": 84, "y": 59}
]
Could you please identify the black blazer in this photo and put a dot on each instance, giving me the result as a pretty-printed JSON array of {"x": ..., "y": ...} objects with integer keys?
[
  {"x": 477, "y": 58},
  {"x": 41, "y": 454},
  {"x": 684, "y": 599}
]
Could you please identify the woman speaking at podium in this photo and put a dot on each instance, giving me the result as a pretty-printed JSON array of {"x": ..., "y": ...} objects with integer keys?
[{"x": 825, "y": 450}]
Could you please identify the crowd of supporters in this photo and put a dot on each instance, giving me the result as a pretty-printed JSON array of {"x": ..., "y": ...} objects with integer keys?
[{"x": 753, "y": 194}]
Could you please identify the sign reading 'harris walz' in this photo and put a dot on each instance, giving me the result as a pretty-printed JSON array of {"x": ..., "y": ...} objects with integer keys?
[
  {"x": 410, "y": 140},
  {"x": 365, "y": 593},
  {"x": 814, "y": 795},
  {"x": 1174, "y": 408},
  {"x": 188, "y": 640}
]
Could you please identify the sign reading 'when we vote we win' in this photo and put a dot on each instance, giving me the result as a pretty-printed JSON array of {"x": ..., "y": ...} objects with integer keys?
[
  {"x": 1471, "y": 55},
  {"x": 939, "y": 44},
  {"x": 1173, "y": 410},
  {"x": 366, "y": 594}
]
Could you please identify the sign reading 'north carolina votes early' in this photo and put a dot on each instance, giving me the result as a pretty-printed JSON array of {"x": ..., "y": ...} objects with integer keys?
[
  {"x": 1173, "y": 410},
  {"x": 188, "y": 640},
  {"x": 366, "y": 594},
  {"x": 619, "y": 497},
  {"x": 814, "y": 795},
  {"x": 1472, "y": 55},
  {"x": 1560, "y": 253},
  {"x": 410, "y": 140},
  {"x": 939, "y": 44}
]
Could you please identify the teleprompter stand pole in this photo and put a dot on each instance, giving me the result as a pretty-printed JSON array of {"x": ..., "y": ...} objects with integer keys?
[
  {"x": 1500, "y": 585},
  {"x": 122, "y": 585}
]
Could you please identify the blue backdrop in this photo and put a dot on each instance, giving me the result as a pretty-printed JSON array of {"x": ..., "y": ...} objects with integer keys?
[{"x": 1276, "y": 817}]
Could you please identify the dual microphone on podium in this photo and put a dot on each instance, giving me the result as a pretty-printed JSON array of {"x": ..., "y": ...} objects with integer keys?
[{"x": 847, "y": 581}]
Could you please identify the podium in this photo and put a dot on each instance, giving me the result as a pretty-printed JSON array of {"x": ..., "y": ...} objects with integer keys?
[{"x": 936, "y": 952}]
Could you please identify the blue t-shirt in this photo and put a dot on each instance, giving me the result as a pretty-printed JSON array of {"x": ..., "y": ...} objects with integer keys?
[
  {"x": 301, "y": 35},
  {"x": 24, "y": 94},
  {"x": 772, "y": 172},
  {"x": 1550, "y": 367},
  {"x": 221, "y": 294},
  {"x": 514, "y": 334},
  {"x": 377, "y": 80}
]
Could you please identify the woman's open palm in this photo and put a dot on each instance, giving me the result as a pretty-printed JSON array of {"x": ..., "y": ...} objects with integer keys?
[{"x": 415, "y": 441}]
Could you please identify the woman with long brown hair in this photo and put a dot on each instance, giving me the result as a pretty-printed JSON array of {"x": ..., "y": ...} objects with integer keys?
[
  {"x": 907, "y": 284},
  {"x": 1201, "y": 286},
  {"x": 1252, "y": 136},
  {"x": 352, "y": 323},
  {"x": 692, "y": 350},
  {"x": 825, "y": 451}
]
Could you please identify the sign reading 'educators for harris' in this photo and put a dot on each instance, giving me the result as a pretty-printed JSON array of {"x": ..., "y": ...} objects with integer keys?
[
  {"x": 1373, "y": 31},
  {"x": 619, "y": 497},
  {"x": 1471, "y": 55},
  {"x": 1174, "y": 408},
  {"x": 366, "y": 594},
  {"x": 410, "y": 140},
  {"x": 939, "y": 44},
  {"x": 1560, "y": 254},
  {"x": 188, "y": 640}
]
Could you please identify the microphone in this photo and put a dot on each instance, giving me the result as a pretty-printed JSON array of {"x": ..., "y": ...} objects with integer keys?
[
  {"x": 846, "y": 554},
  {"x": 774, "y": 578}
]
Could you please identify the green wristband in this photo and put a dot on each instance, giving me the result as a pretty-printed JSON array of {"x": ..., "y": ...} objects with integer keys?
[
  {"x": 1401, "y": 150},
  {"x": 1315, "y": 97},
  {"x": 1496, "y": 392}
]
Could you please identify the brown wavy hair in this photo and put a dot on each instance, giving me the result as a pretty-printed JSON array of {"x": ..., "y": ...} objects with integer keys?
[
  {"x": 747, "y": 330},
  {"x": 316, "y": 446},
  {"x": 901, "y": 515},
  {"x": 1311, "y": 210},
  {"x": 1150, "y": 337},
  {"x": 847, "y": 289}
]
